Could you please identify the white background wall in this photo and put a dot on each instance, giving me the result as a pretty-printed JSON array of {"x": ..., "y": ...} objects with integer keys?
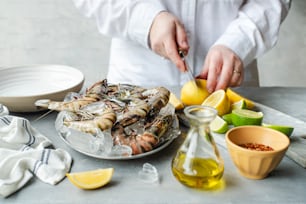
[
  {"x": 285, "y": 64},
  {"x": 54, "y": 32},
  {"x": 50, "y": 32}
]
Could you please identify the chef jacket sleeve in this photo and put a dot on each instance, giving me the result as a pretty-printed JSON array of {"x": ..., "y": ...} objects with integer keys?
[
  {"x": 256, "y": 28},
  {"x": 128, "y": 19}
]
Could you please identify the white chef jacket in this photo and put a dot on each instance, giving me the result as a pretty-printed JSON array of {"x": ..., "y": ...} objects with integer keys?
[{"x": 248, "y": 27}]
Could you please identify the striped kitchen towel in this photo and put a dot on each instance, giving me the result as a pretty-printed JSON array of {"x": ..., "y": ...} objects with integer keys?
[{"x": 24, "y": 153}]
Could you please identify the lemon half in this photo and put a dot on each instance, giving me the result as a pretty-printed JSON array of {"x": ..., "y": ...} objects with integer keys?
[
  {"x": 192, "y": 94},
  {"x": 91, "y": 179}
]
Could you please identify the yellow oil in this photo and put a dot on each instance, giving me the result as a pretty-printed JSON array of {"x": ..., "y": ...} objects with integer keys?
[{"x": 207, "y": 173}]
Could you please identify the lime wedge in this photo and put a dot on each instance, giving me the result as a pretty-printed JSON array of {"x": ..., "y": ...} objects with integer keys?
[
  {"x": 228, "y": 118},
  {"x": 219, "y": 125},
  {"x": 234, "y": 97},
  {"x": 241, "y": 104},
  {"x": 246, "y": 117},
  {"x": 287, "y": 130}
]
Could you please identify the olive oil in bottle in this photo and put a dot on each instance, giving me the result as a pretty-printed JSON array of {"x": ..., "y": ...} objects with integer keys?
[
  {"x": 197, "y": 163},
  {"x": 205, "y": 173}
]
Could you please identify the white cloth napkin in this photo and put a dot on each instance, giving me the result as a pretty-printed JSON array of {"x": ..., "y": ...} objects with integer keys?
[{"x": 24, "y": 153}]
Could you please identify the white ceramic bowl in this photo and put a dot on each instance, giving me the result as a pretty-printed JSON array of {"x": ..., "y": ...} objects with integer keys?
[{"x": 21, "y": 86}]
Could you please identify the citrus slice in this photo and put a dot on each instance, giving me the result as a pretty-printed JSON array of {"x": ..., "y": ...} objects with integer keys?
[
  {"x": 173, "y": 100},
  {"x": 194, "y": 95},
  {"x": 227, "y": 118},
  {"x": 246, "y": 117},
  {"x": 287, "y": 130},
  {"x": 219, "y": 101},
  {"x": 91, "y": 179},
  {"x": 219, "y": 125},
  {"x": 235, "y": 97},
  {"x": 241, "y": 104}
]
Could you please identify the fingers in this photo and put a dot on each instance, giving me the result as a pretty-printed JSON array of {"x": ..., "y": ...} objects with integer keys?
[
  {"x": 213, "y": 71},
  {"x": 166, "y": 36},
  {"x": 231, "y": 75},
  {"x": 157, "y": 34},
  {"x": 222, "y": 68},
  {"x": 171, "y": 51},
  {"x": 226, "y": 75},
  {"x": 181, "y": 37},
  {"x": 179, "y": 42},
  {"x": 237, "y": 74}
]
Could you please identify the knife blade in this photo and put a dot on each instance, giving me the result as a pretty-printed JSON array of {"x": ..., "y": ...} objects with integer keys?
[{"x": 188, "y": 70}]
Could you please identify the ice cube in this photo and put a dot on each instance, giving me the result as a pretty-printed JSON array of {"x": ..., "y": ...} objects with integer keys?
[
  {"x": 77, "y": 139},
  {"x": 121, "y": 151},
  {"x": 102, "y": 143},
  {"x": 148, "y": 174}
]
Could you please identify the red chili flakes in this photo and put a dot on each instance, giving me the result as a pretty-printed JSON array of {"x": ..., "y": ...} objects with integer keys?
[{"x": 257, "y": 147}]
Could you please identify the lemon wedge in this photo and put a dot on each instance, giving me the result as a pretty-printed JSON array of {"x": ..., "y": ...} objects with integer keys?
[
  {"x": 219, "y": 125},
  {"x": 194, "y": 95},
  {"x": 219, "y": 101},
  {"x": 91, "y": 179},
  {"x": 235, "y": 97},
  {"x": 173, "y": 100}
]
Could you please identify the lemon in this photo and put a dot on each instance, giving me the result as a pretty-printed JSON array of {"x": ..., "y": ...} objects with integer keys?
[
  {"x": 246, "y": 117},
  {"x": 219, "y": 101},
  {"x": 235, "y": 97},
  {"x": 287, "y": 130},
  {"x": 241, "y": 104},
  {"x": 219, "y": 125},
  {"x": 194, "y": 95},
  {"x": 173, "y": 100},
  {"x": 91, "y": 179}
]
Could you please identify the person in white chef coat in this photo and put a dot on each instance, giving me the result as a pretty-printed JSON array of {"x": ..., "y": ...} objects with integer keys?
[{"x": 223, "y": 38}]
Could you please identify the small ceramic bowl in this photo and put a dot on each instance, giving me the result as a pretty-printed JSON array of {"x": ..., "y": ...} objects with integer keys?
[{"x": 254, "y": 164}]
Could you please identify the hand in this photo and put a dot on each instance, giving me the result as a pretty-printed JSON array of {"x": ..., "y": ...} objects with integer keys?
[
  {"x": 167, "y": 36},
  {"x": 222, "y": 69}
]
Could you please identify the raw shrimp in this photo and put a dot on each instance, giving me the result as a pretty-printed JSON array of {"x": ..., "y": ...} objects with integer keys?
[
  {"x": 103, "y": 121},
  {"x": 146, "y": 139},
  {"x": 132, "y": 113}
]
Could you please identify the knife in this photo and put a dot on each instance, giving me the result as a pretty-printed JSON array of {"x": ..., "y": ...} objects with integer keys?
[{"x": 189, "y": 72}]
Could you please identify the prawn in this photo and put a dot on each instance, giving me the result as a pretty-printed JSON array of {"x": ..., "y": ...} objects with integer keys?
[
  {"x": 157, "y": 99},
  {"x": 73, "y": 106},
  {"x": 131, "y": 113},
  {"x": 147, "y": 139},
  {"x": 103, "y": 121}
]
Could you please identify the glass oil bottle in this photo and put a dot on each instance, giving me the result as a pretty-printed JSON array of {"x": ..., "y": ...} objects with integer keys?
[{"x": 197, "y": 163}]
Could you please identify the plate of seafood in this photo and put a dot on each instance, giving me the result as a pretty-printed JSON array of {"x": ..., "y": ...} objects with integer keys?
[
  {"x": 21, "y": 86},
  {"x": 115, "y": 121}
]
